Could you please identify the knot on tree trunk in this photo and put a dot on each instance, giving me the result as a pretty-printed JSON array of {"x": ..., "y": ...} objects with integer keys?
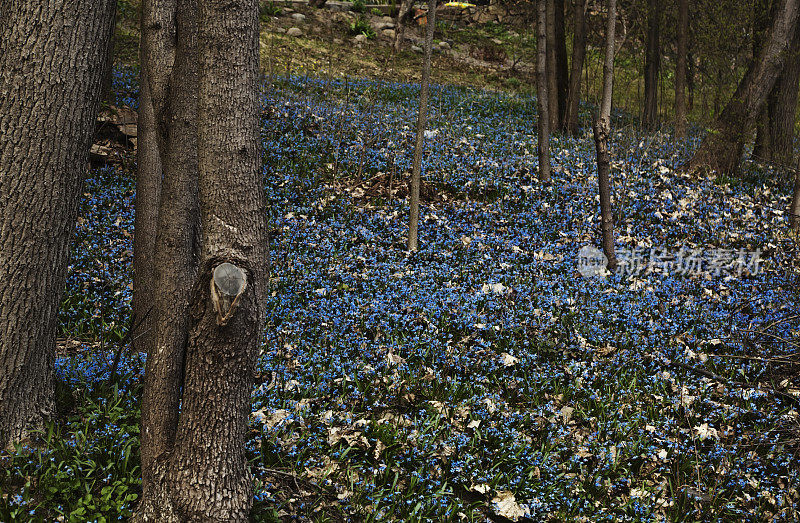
[{"x": 228, "y": 283}]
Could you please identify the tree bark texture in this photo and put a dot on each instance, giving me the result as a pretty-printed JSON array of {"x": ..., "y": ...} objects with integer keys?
[
  {"x": 552, "y": 66},
  {"x": 422, "y": 122},
  {"x": 542, "y": 95},
  {"x": 578, "y": 56},
  {"x": 562, "y": 66},
  {"x": 763, "y": 12},
  {"x": 602, "y": 130},
  {"x": 652, "y": 65},
  {"x": 52, "y": 58},
  {"x": 205, "y": 476},
  {"x": 156, "y": 57},
  {"x": 680, "y": 69},
  {"x": 781, "y": 109},
  {"x": 794, "y": 207},
  {"x": 722, "y": 148},
  {"x": 175, "y": 269}
]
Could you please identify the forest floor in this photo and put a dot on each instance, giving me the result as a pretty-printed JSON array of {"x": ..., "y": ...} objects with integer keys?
[{"x": 482, "y": 378}]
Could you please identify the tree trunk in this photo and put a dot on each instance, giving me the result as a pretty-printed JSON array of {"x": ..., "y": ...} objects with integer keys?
[
  {"x": 205, "y": 476},
  {"x": 542, "y": 95},
  {"x": 422, "y": 122},
  {"x": 794, "y": 207},
  {"x": 782, "y": 108},
  {"x": 52, "y": 57},
  {"x": 721, "y": 150},
  {"x": 652, "y": 65},
  {"x": 680, "y": 69},
  {"x": 552, "y": 66},
  {"x": 763, "y": 12},
  {"x": 578, "y": 55},
  {"x": 602, "y": 130},
  {"x": 562, "y": 66},
  {"x": 403, "y": 18},
  {"x": 175, "y": 245},
  {"x": 156, "y": 56}
]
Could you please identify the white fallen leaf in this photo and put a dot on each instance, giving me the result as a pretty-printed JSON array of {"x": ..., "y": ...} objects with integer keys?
[{"x": 508, "y": 360}]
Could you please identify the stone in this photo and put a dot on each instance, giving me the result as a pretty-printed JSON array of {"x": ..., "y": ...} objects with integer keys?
[
  {"x": 300, "y": 17},
  {"x": 360, "y": 39},
  {"x": 444, "y": 45},
  {"x": 338, "y": 41},
  {"x": 387, "y": 20},
  {"x": 388, "y": 34},
  {"x": 416, "y": 48},
  {"x": 294, "y": 31}
]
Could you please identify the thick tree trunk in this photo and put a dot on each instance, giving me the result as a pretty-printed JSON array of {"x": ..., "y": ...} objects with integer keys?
[
  {"x": 543, "y": 122},
  {"x": 422, "y": 122},
  {"x": 602, "y": 130},
  {"x": 763, "y": 12},
  {"x": 782, "y": 108},
  {"x": 552, "y": 66},
  {"x": 652, "y": 65},
  {"x": 52, "y": 57},
  {"x": 680, "y": 69},
  {"x": 721, "y": 150},
  {"x": 562, "y": 66},
  {"x": 205, "y": 476},
  {"x": 175, "y": 245},
  {"x": 578, "y": 55},
  {"x": 403, "y": 18}
]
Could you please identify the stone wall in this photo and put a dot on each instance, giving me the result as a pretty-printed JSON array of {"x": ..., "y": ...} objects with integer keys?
[{"x": 515, "y": 13}]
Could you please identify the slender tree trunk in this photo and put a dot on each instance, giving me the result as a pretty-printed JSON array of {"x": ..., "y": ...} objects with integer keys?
[
  {"x": 422, "y": 122},
  {"x": 763, "y": 13},
  {"x": 794, "y": 207},
  {"x": 542, "y": 94},
  {"x": 652, "y": 65},
  {"x": 782, "y": 107},
  {"x": 562, "y": 66},
  {"x": 176, "y": 266},
  {"x": 205, "y": 476},
  {"x": 578, "y": 55},
  {"x": 552, "y": 66},
  {"x": 602, "y": 130},
  {"x": 52, "y": 57},
  {"x": 721, "y": 150},
  {"x": 156, "y": 56},
  {"x": 680, "y": 69},
  {"x": 403, "y": 18}
]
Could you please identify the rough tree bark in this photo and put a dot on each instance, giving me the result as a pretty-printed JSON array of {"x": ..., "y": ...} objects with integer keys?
[
  {"x": 541, "y": 94},
  {"x": 602, "y": 130},
  {"x": 680, "y": 69},
  {"x": 422, "y": 121},
  {"x": 562, "y": 65},
  {"x": 781, "y": 109},
  {"x": 156, "y": 56},
  {"x": 403, "y": 18},
  {"x": 175, "y": 244},
  {"x": 763, "y": 12},
  {"x": 52, "y": 59},
  {"x": 652, "y": 65},
  {"x": 205, "y": 477},
  {"x": 721, "y": 149},
  {"x": 578, "y": 55},
  {"x": 552, "y": 66}
]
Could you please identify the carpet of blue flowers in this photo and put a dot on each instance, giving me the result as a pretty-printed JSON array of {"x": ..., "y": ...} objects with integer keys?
[{"x": 482, "y": 377}]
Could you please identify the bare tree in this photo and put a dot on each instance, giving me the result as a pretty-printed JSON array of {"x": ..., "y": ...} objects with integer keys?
[
  {"x": 52, "y": 58},
  {"x": 722, "y": 148},
  {"x": 552, "y": 66},
  {"x": 652, "y": 65},
  {"x": 542, "y": 94},
  {"x": 422, "y": 122},
  {"x": 680, "y": 69},
  {"x": 203, "y": 475},
  {"x": 578, "y": 55},
  {"x": 562, "y": 66},
  {"x": 602, "y": 130}
]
